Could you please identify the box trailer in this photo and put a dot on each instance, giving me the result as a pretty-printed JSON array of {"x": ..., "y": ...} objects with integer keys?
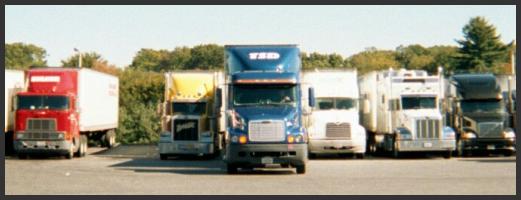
[
  {"x": 63, "y": 108},
  {"x": 14, "y": 83}
]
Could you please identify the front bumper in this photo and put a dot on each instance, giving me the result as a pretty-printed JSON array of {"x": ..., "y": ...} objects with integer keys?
[
  {"x": 490, "y": 144},
  {"x": 336, "y": 146},
  {"x": 186, "y": 148},
  {"x": 426, "y": 145},
  {"x": 43, "y": 146},
  {"x": 264, "y": 154}
]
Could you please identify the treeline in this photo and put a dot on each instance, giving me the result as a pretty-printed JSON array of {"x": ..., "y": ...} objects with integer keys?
[{"x": 142, "y": 82}]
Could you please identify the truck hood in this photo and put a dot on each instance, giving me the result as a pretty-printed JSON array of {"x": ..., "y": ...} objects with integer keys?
[
  {"x": 319, "y": 120},
  {"x": 266, "y": 112},
  {"x": 486, "y": 117},
  {"x": 62, "y": 118}
]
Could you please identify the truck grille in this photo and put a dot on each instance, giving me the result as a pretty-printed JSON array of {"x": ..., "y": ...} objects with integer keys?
[
  {"x": 41, "y": 124},
  {"x": 186, "y": 129},
  {"x": 41, "y": 136},
  {"x": 266, "y": 131},
  {"x": 490, "y": 129},
  {"x": 342, "y": 130},
  {"x": 428, "y": 129}
]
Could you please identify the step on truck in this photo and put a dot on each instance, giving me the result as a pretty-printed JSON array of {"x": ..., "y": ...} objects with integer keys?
[
  {"x": 191, "y": 115},
  {"x": 63, "y": 108},
  {"x": 401, "y": 112},
  {"x": 333, "y": 124},
  {"x": 477, "y": 112},
  {"x": 14, "y": 83},
  {"x": 264, "y": 107}
]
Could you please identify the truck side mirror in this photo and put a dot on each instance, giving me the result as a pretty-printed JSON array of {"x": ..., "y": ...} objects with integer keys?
[
  {"x": 311, "y": 97},
  {"x": 218, "y": 97}
]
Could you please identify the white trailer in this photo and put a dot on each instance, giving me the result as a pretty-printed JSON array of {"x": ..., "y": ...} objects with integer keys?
[
  {"x": 333, "y": 124},
  {"x": 401, "y": 112},
  {"x": 14, "y": 82}
]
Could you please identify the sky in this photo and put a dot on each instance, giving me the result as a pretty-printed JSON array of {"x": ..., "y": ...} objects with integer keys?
[{"x": 119, "y": 32}]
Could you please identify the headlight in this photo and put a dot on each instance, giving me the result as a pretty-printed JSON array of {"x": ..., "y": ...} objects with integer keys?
[
  {"x": 468, "y": 135},
  {"x": 61, "y": 135},
  {"x": 235, "y": 139},
  {"x": 242, "y": 139},
  {"x": 292, "y": 121},
  {"x": 237, "y": 121},
  {"x": 448, "y": 133},
  {"x": 509, "y": 133}
]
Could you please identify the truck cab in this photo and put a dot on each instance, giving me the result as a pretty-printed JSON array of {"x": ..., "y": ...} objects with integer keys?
[
  {"x": 479, "y": 115},
  {"x": 264, "y": 108},
  {"x": 333, "y": 124},
  {"x": 191, "y": 117}
]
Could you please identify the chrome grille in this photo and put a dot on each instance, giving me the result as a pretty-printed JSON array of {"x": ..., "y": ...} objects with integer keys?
[
  {"x": 428, "y": 129},
  {"x": 490, "y": 129},
  {"x": 41, "y": 136},
  {"x": 266, "y": 131},
  {"x": 41, "y": 124},
  {"x": 342, "y": 130}
]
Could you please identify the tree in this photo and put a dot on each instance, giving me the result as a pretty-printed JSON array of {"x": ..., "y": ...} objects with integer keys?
[
  {"x": 481, "y": 49},
  {"x": 373, "y": 59},
  {"x": 23, "y": 56},
  {"x": 209, "y": 56},
  {"x": 88, "y": 60},
  {"x": 152, "y": 60}
]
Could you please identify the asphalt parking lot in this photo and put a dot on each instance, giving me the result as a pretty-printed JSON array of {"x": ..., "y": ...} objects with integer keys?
[{"x": 136, "y": 169}]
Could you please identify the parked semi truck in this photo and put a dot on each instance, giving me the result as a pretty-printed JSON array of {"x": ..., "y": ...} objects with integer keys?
[
  {"x": 333, "y": 124},
  {"x": 401, "y": 112},
  {"x": 64, "y": 107},
  {"x": 192, "y": 116},
  {"x": 264, "y": 107},
  {"x": 14, "y": 83},
  {"x": 477, "y": 112}
]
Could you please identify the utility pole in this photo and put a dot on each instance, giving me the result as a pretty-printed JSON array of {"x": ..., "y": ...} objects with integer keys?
[{"x": 79, "y": 57}]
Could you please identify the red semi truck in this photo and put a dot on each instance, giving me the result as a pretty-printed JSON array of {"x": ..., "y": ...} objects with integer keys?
[{"x": 63, "y": 108}]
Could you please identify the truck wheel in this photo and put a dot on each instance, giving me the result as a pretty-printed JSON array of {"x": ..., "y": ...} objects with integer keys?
[
  {"x": 460, "y": 149},
  {"x": 396, "y": 153},
  {"x": 231, "y": 168},
  {"x": 110, "y": 139},
  {"x": 447, "y": 155},
  {"x": 301, "y": 169},
  {"x": 70, "y": 153},
  {"x": 84, "y": 145},
  {"x": 312, "y": 155},
  {"x": 22, "y": 156},
  {"x": 360, "y": 155},
  {"x": 163, "y": 156},
  {"x": 508, "y": 153}
]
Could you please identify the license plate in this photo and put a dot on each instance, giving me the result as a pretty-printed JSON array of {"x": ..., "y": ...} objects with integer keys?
[
  {"x": 491, "y": 147},
  {"x": 427, "y": 145},
  {"x": 186, "y": 146},
  {"x": 40, "y": 143},
  {"x": 267, "y": 160}
]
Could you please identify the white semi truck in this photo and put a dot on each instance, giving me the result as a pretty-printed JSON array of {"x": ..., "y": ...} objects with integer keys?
[
  {"x": 333, "y": 123},
  {"x": 401, "y": 111},
  {"x": 14, "y": 82}
]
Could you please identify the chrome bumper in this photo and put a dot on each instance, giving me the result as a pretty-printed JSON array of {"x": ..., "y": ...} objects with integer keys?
[
  {"x": 336, "y": 146},
  {"x": 427, "y": 145}
]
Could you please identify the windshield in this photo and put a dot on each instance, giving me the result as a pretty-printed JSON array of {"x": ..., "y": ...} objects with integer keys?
[
  {"x": 264, "y": 95},
  {"x": 189, "y": 108},
  {"x": 418, "y": 103},
  {"x": 493, "y": 105},
  {"x": 43, "y": 102},
  {"x": 335, "y": 103}
]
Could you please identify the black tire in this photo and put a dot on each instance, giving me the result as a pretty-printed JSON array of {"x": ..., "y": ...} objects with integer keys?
[
  {"x": 508, "y": 153},
  {"x": 396, "y": 153},
  {"x": 22, "y": 156},
  {"x": 163, "y": 156},
  {"x": 301, "y": 169},
  {"x": 82, "y": 150},
  {"x": 70, "y": 154},
  {"x": 344, "y": 155},
  {"x": 460, "y": 149},
  {"x": 312, "y": 155},
  {"x": 231, "y": 168},
  {"x": 360, "y": 156},
  {"x": 109, "y": 140},
  {"x": 447, "y": 155},
  {"x": 284, "y": 165}
]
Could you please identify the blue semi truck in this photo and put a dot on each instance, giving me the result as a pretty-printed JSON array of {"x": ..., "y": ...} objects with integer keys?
[{"x": 263, "y": 108}]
